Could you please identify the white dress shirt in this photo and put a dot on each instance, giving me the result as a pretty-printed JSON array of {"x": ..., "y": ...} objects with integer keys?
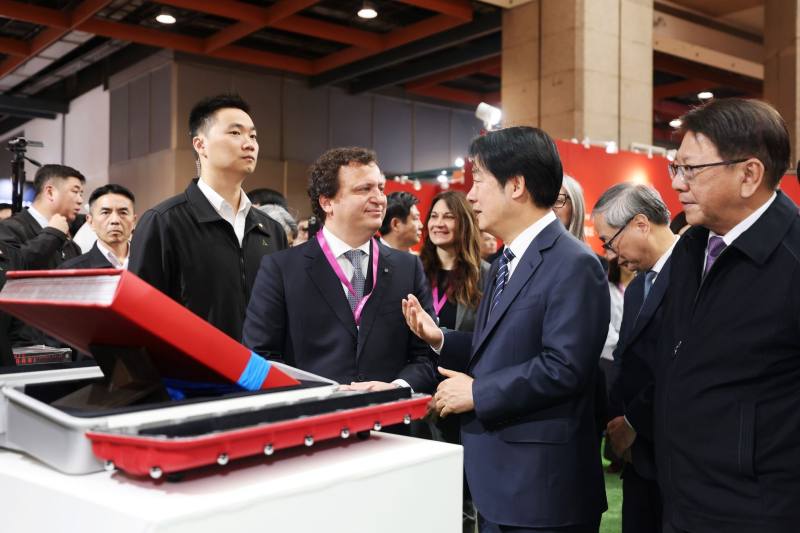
[
  {"x": 225, "y": 210},
  {"x": 520, "y": 244},
  {"x": 112, "y": 257},
  {"x": 38, "y": 217}
]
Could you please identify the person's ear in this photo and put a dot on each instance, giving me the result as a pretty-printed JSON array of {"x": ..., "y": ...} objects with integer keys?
[
  {"x": 326, "y": 204},
  {"x": 752, "y": 177}
]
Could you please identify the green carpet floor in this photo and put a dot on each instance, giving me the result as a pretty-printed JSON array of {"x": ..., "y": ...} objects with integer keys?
[{"x": 612, "y": 519}]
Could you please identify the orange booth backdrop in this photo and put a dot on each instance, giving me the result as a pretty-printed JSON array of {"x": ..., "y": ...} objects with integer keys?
[{"x": 596, "y": 171}]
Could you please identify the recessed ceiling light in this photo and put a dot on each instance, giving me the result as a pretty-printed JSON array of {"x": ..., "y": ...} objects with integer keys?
[
  {"x": 165, "y": 17},
  {"x": 705, "y": 95},
  {"x": 367, "y": 11},
  {"x": 675, "y": 123}
]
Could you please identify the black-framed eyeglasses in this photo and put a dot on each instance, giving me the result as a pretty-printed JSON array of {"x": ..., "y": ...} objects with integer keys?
[
  {"x": 561, "y": 200},
  {"x": 609, "y": 244},
  {"x": 686, "y": 172}
]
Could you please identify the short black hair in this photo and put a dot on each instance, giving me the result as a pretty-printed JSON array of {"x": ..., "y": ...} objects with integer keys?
[
  {"x": 741, "y": 128},
  {"x": 266, "y": 196},
  {"x": 324, "y": 174},
  {"x": 111, "y": 188},
  {"x": 522, "y": 151},
  {"x": 398, "y": 205},
  {"x": 5, "y": 206},
  {"x": 53, "y": 172},
  {"x": 203, "y": 111}
]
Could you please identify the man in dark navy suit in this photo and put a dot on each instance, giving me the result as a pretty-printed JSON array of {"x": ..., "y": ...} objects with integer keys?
[
  {"x": 112, "y": 217},
  {"x": 524, "y": 380},
  {"x": 633, "y": 223},
  {"x": 332, "y": 305},
  {"x": 727, "y": 411}
]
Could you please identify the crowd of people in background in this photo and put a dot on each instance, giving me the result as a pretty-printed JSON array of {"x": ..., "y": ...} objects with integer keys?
[{"x": 679, "y": 343}]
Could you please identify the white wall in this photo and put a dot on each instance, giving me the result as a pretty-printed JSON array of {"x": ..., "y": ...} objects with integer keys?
[
  {"x": 86, "y": 135},
  {"x": 79, "y": 139}
]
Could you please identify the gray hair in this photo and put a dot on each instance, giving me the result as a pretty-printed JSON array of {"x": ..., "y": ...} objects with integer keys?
[
  {"x": 623, "y": 201},
  {"x": 282, "y": 217},
  {"x": 575, "y": 192}
]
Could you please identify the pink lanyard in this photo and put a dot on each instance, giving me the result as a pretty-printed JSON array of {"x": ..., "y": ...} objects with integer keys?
[
  {"x": 326, "y": 249},
  {"x": 437, "y": 303}
]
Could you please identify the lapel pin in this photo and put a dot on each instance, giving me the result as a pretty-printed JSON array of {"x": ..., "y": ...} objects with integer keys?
[
  {"x": 260, "y": 225},
  {"x": 385, "y": 270}
]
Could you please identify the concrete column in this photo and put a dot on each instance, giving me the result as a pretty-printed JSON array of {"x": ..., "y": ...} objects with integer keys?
[
  {"x": 592, "y": 62},
  {"x": 520, "y": 78},
  {"x": 781, "y": 63}
]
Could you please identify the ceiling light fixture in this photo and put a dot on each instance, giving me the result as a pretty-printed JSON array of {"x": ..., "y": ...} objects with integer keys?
[
  {"x": 675, "y": 123},
  {"x": 705, "y": 95},
  {"x": 367, "y": 11},
  {"x": 165, "y": 17}
]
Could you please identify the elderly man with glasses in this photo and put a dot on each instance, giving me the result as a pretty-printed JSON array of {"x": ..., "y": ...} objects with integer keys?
[
  {"x": 633, "y": 223},
  {"x": 727, "y": 400}
]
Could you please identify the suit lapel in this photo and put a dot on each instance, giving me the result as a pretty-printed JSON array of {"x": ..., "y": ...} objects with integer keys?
[
  {"x": 527, "y": 266},
  {"x": 652, "y": 302},
  {"x": 483, "y": 308},
  {"x": 329, "y": 286},
  {"x": 370, "y": 312}
]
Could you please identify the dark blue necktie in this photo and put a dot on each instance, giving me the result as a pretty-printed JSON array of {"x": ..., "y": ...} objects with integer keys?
[{"x": 502, "y": 277}]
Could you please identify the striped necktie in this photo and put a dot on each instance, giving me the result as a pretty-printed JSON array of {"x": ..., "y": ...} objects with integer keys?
[
  {"x": 358, "y": 279},
  {"x": 502, "y": 277}
]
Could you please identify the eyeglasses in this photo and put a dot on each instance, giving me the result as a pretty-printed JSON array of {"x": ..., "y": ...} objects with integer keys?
[
  {"x": 609, "y": 245},
  {"x": 686, "y": 173},
  {"x": 561, "y": 200}
]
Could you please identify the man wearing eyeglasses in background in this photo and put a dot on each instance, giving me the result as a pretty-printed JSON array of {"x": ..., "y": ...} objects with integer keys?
[
  {"x": 727, "y": 411},
  {"x": 632, "y": 221}
]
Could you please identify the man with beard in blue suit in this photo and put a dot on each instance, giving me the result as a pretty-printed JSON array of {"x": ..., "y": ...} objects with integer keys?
[{"x": 524, "y": 380}]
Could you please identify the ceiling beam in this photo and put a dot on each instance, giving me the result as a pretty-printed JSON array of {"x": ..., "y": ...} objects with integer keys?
[
  {"x": 434, "y": 64},
  {"x": 330, "y": 32},
  {"x": 14, "y": 47},
  {"x": 682, "y": 88},
  {"x": 31, "y": 107},
  {"x": 193, "y": 45},
  {"x": 670, "y": 109},
  {"x": 75, "y": 17},
  {"x": 479, "y": 27},
  {"x": 689, "y": 69},
  {"x": 460, "y": 9},
  {"x": 456, "y": 95},
  {"x": 455, "y": 73},
  {"x": 395, "y": 38},
  {"x": 34, "y": 14},
  {"x": 250, "y": 18}
]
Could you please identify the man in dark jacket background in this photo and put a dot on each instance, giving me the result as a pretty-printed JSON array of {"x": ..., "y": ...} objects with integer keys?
[
  {"x": 727, "y": 422},
  {"x": 39, "y": 236},
  {"x": 203, "y": 247}
]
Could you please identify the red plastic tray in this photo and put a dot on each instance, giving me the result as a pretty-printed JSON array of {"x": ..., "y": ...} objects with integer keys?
[{"x": 155, "y": 456}]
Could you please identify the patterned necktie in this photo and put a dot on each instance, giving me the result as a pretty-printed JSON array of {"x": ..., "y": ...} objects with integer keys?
[
  {"x": 649, "y": 278},
  {"x": 715, "y": 247},
  {"x": 358, "y": 279},
  {"x": 502, "y": 277}
]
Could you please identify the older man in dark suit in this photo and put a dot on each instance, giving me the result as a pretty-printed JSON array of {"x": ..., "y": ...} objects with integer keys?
[
  {"x": 633, "y": 224},
  {"x": 527, "y": 392},
  {"x": 112, "y": 217},
  {"x": 332, "y": 305},
  {"x": 727, "y": 395}
]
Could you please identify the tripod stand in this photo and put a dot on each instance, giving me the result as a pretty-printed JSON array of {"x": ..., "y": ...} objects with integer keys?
[{"x": 19, "y": 146}]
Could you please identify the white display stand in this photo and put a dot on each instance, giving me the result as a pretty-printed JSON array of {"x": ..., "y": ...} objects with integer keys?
[{"x": 386, "y": 484}]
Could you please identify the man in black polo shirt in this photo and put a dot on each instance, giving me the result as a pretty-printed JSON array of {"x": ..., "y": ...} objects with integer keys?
[{"x": 203, "y": 247}]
